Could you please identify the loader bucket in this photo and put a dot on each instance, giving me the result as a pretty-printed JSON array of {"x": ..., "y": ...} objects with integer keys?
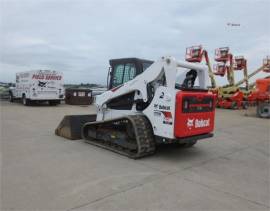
[{"x": 70, "y": 126}]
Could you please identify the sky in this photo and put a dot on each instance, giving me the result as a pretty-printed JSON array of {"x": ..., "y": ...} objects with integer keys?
[{"x": 78, "y": 37}]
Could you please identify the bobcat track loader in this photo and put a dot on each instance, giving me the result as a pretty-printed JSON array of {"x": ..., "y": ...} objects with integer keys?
[{"x": 145, "y": 106}]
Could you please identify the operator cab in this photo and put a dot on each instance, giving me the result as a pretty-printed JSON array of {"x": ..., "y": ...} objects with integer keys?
[{"x": 125, "y": 69}]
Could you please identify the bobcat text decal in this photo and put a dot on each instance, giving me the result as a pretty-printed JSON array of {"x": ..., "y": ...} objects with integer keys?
[{"x": 198, "y": 123}]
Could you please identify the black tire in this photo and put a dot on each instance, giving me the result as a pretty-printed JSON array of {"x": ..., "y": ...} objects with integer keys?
[
  {"x": 11, "y": 98},
  {"x": 234, "y": 106},
  {"x": 25, "y": 101},
  {"x": 263, "y": 110},
  {"x": 245, "y": 105},
  {"x": 54, "y": 102}
]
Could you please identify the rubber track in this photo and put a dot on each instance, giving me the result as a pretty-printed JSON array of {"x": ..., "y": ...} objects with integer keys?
[{"x": 143, "y": 132}]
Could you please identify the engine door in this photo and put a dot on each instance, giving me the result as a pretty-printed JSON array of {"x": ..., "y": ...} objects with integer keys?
[{"x": 194, "y": 113}]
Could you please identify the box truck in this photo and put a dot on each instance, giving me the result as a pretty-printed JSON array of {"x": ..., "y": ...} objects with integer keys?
[{"x": 38, "y": 86}]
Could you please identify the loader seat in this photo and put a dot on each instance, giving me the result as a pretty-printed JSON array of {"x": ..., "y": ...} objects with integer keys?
[{"x": 190, "y": 79}]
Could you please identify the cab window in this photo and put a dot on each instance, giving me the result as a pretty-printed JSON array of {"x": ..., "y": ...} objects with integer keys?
[
  {"x": 129, "y": 72},
  {"x": 146, "y": 65},
  {"x": 123, "y": 73},
  {"x": 118, "y": 75}
]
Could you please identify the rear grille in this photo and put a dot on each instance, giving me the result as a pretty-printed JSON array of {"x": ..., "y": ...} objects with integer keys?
[{"x": 193, "y": 104}]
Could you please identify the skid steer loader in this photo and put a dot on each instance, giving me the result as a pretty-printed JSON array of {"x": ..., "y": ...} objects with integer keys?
[{"x": 147, "y": 103}]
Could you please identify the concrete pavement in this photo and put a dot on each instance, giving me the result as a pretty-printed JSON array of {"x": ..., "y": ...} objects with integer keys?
[{"x": 42, "y": 171}]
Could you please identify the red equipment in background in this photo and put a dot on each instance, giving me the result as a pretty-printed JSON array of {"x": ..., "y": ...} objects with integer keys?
[
  {"x": 264, "y": 68},
  {"x": 196, "y": 54},
  {"x": 266, "y": 63},
  {"x": 229, "y": 96},
  {"x": 240, "y": 63},
  {"x": 222, "y": 54},
  {"x": 235, "y": 101},
  {"x": 262, "y": 90},
  {"x": 261, "y": 97},
  {"x": 220, "y": 69}
]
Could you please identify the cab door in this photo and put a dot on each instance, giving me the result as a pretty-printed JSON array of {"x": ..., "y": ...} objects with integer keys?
[{"x": 122, "y": 73}]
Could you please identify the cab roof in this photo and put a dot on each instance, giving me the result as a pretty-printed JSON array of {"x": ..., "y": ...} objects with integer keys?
[{"x": 129, "y": 60}]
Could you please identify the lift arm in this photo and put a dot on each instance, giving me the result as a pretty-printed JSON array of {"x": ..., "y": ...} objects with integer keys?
[
  {"x": 251, "y": 75},
  {"x": 210, "y": 71},
  {"x": 195, "y": 54},
  {"x": 230, "y": 73},
  {"x": 165, "y": 67},
  {"x": 241, "y": 64},
  {"x": 246, "y": 77}
]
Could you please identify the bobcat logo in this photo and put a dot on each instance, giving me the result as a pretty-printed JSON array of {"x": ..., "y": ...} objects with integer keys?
[
  {"x": 190, "y": 123},
  {"x": 42, "y": 84}
]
